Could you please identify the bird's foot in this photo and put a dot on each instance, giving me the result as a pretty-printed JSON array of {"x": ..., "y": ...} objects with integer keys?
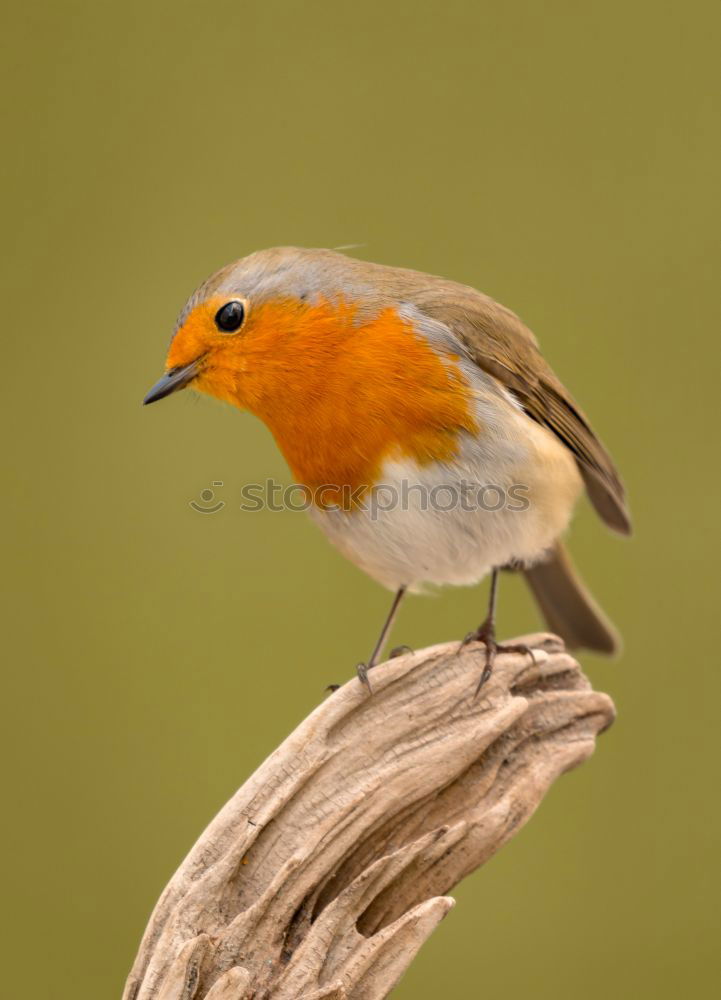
[
  {"x": 362, "y": 671},
  {"x": 486, "y": 633}
]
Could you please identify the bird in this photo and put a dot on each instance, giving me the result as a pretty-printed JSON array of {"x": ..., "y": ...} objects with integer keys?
[{"x": 435, "y": 443}]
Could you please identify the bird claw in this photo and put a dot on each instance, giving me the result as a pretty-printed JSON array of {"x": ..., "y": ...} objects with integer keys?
[
  {"x": 486, "y": 634},
  {"x": 362, "y": 671}
]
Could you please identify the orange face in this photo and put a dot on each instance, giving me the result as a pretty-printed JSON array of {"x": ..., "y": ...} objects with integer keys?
[
  {"x": 216, "y": 344},
  {"x": 339, "y": 395}
]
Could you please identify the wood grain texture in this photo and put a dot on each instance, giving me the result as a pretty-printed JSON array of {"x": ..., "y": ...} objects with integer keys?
[{"x": 325, "y": 873}]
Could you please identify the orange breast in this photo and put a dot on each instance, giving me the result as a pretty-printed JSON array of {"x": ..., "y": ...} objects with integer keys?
[{"x": 341, "y": 396}]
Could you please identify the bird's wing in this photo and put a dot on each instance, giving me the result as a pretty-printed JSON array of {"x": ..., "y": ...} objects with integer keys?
[{"x": 502, "y": 346}]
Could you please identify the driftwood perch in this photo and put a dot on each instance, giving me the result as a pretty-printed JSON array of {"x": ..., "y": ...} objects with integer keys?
[{"x": 326, "y": 872}]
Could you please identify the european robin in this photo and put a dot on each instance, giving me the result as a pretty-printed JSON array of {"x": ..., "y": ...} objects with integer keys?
[{"x": 435, "y": 443}]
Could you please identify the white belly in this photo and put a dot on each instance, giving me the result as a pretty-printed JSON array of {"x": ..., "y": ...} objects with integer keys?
[{"x": 507, "y": 497}]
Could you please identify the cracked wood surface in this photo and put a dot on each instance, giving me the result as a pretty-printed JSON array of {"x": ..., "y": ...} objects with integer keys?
[{"x": 325, "y": 873}]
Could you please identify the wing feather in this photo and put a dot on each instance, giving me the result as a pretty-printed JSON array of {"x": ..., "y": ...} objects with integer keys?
[{"x": 505, "y": 348}]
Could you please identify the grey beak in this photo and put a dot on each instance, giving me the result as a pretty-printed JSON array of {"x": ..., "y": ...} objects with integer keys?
[{"x": 176, "y": 378}]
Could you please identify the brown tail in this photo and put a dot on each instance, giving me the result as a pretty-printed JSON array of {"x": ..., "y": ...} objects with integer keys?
[{"x": 567, "y": 606}]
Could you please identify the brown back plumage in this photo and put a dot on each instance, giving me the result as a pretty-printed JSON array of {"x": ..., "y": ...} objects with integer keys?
[{"x": 501, "y": 345}]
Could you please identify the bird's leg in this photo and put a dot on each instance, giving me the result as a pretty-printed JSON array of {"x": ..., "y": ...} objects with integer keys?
[
  {"x": 363, "y": 668},
  {"x": 486, "y": 633}
]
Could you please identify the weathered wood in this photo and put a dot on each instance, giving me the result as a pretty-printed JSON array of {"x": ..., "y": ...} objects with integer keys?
[{"x": 327, "y": 870}]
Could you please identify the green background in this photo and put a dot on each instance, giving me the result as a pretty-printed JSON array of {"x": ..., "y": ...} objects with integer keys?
[{"x": 563, "y": 157}]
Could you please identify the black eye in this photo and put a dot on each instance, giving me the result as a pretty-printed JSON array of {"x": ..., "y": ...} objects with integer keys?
[{"x": 229, "y": 317}]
